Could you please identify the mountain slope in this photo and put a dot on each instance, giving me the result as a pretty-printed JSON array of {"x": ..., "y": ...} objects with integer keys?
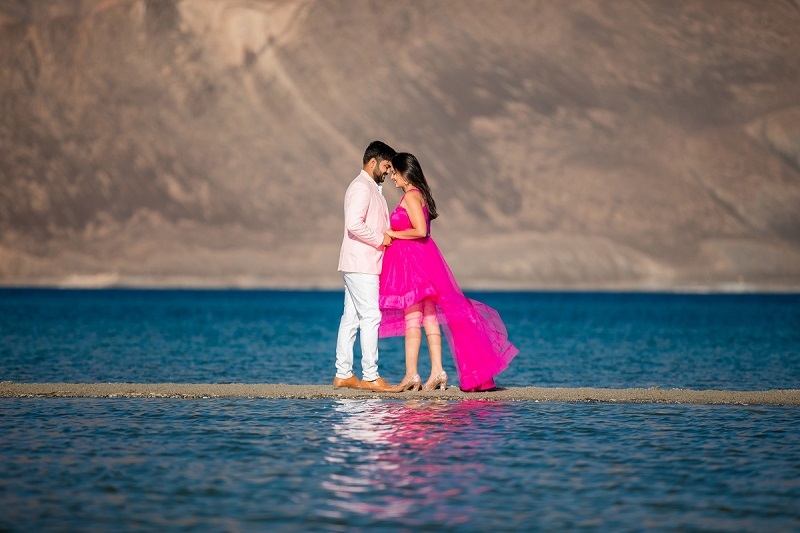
[{"x": 591, "y": 144}]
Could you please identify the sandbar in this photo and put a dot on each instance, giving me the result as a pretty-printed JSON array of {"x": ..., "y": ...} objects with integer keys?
[{"x": 10, "y": 389}]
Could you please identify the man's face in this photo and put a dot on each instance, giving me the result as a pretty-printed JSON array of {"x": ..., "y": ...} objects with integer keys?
[{"x": 381, "y": 171}]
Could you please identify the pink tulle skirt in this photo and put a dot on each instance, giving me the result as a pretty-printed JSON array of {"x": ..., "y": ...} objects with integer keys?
[{"x": 414, "y": 270}]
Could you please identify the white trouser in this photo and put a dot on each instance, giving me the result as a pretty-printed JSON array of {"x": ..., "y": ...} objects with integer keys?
[{"x": 360, "y": 311}]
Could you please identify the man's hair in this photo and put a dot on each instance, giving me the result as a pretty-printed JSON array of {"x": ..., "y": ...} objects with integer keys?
[{"x": 380, "y": 151}]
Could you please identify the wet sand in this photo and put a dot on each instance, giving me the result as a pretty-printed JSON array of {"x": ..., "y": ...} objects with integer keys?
[{"x": 267, "y": 390}]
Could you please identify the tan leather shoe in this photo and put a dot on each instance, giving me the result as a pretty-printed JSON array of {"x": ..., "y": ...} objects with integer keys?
[
  {"x": 378, "y": 385},
  {"x": 352, "y": 382}
]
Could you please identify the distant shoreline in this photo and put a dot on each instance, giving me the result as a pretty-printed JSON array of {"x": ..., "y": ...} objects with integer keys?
[
  {"x": 632, "y": 289},
  {"x": 282, "y": 391}
]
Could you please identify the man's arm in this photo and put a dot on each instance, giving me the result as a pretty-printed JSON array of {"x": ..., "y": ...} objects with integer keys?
[{"x": 356, "y": 203}]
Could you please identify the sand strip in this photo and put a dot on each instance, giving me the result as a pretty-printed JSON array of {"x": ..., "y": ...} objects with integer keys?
[{"x": 267, "y": 390}]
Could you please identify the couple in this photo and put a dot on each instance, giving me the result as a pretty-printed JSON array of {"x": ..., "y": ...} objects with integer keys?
[{"x": 397, "y": 283}]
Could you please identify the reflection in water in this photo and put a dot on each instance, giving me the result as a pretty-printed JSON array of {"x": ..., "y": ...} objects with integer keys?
[{"x": 396, "y": 459}]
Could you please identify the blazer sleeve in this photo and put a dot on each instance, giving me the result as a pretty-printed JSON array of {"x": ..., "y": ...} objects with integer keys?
[{"x": 356, "y": 204}]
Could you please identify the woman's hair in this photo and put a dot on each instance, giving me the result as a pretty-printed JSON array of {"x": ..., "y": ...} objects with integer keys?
[{"x": 407, "y": 165}]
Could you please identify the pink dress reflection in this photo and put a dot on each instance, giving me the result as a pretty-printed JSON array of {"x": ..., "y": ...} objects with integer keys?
[
  {"x": 415, "y": 270},
  {"x": 394, "y": 458}
]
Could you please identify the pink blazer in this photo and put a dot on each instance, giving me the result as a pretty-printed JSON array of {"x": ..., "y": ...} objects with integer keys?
[{"x": 366, "y": 217}]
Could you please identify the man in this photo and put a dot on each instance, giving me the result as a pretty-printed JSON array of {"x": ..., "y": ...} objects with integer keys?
[{"x": 366, "y": 218}]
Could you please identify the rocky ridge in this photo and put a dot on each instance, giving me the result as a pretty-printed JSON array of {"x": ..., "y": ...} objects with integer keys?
[{"x": 623, "y": 145}]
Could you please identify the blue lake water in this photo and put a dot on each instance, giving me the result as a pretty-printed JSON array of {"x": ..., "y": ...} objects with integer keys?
[
  {"x": 395, "y": 464},
  {"x": 565, "y": 339}
]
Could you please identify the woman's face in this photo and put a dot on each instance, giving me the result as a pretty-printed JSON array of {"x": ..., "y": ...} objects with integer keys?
[{"x": 398, "y": 179}]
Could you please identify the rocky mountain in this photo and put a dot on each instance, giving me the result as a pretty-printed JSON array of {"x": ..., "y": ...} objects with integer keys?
[{"x": 590, "y": 144}]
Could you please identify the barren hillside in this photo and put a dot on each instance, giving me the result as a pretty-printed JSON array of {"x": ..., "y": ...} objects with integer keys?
[{"x": 614, "y": 144}]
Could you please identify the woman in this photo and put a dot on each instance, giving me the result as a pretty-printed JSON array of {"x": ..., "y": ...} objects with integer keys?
[{"x": 417, "y": 290}]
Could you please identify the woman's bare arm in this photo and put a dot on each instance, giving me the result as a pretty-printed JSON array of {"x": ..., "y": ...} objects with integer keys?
[{"x": 412, "y": 203}]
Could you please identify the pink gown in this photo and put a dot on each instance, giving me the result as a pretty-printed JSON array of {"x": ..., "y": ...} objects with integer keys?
[{"x": 414, "y": 270}]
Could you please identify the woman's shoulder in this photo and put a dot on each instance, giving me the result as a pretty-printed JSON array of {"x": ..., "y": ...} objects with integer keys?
[{"x": 414, "y": 194}]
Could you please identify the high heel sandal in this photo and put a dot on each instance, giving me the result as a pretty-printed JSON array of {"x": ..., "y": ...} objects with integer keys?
[
  {"x": 440, "y": 381},
  {"x": 413, "y": 384}
]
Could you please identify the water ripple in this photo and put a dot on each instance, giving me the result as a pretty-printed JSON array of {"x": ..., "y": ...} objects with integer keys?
[{"x": 387, "y": 465}]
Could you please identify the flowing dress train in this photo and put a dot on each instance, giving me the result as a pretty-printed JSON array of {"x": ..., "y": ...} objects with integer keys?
[{"x": 415, "y": 270}]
